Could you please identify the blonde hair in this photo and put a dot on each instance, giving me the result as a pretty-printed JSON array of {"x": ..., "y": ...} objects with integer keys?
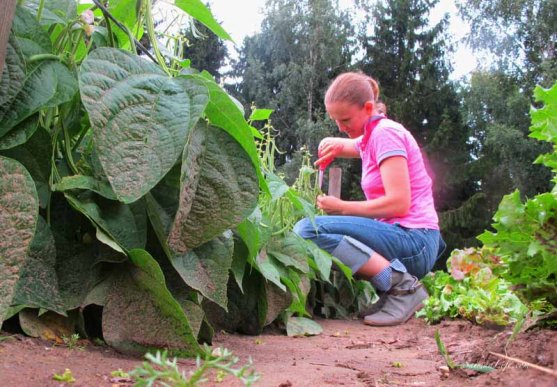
[{"x": 353, "y": 88}]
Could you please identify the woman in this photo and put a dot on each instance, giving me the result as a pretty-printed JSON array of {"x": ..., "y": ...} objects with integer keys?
[{"x": 392, "y": 238}]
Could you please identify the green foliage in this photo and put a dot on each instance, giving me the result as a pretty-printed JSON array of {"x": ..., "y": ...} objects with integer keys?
[
  {"x": 160, "y": 370},
  {"x": 472, "y": 290},
  {"x": 526, "y": 232},
  {"x": 525, "y": 51},
  {"x": 288, "y": 65},
  {"x": 66, "y": 377},
  {"x": 125, "y": 166},
  {"x": 72, "y": 341}
]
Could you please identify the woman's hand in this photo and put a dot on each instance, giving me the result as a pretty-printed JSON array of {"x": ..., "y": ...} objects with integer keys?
[
  {"x": 330, "y": 204},
  {"x": 332, "y": 147},
  {"x": 329, "y": 149}
]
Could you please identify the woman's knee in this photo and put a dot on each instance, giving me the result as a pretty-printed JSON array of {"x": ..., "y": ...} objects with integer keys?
[{"x": 305, "y": 228}]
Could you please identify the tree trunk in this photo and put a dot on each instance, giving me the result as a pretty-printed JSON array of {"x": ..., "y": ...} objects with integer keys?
[{"x": 6, "y": 17}]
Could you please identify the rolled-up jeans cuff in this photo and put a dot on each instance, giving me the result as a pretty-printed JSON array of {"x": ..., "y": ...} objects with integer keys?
[{"x": 352, "y": 253}]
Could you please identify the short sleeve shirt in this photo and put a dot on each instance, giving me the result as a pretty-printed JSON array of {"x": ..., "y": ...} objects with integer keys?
[{"x": 387, "y": 139}]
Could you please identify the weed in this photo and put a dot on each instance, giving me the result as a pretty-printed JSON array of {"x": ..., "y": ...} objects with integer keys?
[
  {"x": 119, "y": 373},
  {"x": 451, "y": 364},
  {"x": 159, "y": 369},
  {"x": 72, "y": 342},
  {"x": 66, "y": 377}
]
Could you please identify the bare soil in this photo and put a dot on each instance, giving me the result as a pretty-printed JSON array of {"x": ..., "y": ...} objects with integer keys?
[{"x": 347, "y": 353}]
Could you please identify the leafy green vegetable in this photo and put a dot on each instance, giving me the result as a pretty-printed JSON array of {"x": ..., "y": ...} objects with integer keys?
[
  {"x": 526, "y": 233},
  {"x": 471, "y": 290}
]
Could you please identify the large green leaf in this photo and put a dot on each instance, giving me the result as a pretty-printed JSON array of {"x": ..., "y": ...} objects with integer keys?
[
  {"x": 45, "y": 84},
  {"x": 38, "y": 284},
  {"x": 140, "y": 117},
  {"x": 20, "y": 133},
  {"x": 78, "y": 253},
  {"x": 290, "y": 250},
  {"x": 223, "y": 112},
  {"x": 141, "y": 315},
  {"x": 126, "y": 13},
  {"x": 198, "y": 10},
  {"x": 206, "y": 268},
  {"x": 35, "y": 155},
  {"x": 54, "y": 11},
  {"x": 218, "y": 188},
  {"x": 19, "y": 209},
  {"x": 81, "y": 182},
  {"x": 47, "y": 326},
  {"x": 13, "y": 74},
  {"x": 269, "y": 268},
  {"x": 246, "y": 310},
  {"x": 125, "y": 223},
  {"x": 30, "y": 36},
  {"x": 301, "y": 326}
]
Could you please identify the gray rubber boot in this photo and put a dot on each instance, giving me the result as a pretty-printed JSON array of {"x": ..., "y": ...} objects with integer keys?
[
  {"x": 401, "y": 302},
  {"x": 374, "y": 308}
]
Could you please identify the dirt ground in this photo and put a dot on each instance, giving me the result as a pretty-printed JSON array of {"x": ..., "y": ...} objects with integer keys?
[{"x": 347, "y": 353}]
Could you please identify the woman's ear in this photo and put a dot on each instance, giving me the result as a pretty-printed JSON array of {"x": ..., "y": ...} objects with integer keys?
[{"x": 368, "y": 107}]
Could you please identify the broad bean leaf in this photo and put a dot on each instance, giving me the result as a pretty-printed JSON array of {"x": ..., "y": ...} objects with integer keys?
[
  {"x": 37, "y": 286},
  {"x": 78, "y": 253},
  {"x": 246, "y": 310},
  {"x": 35, "y": 156},
  {"x": 260, "y": 114},
  {"x": 20, "y": 133},
  {"x": 140, "y": 118},
  {"x": 126, "y": 224},
  {"x": 54, "y": 11},
  {"x": 206, "y": 268},
  {"x": 44, "y": 84},
  {"x": 47, "y": 326},
  {"x": 240, "y": 258},
  {"x": 126, "y": 13},
  {"x": 277, "y": 301},
  {"x": 269, "y": 268},
  {"x": 183, "y": 294},
  {"x": 86, "y": 183},
  {"x": 199, "y": 11},
  {"x": 19, "y": 210},
  {"x": 301, "y": 326},
  {"x": 322, "y": 260},
  {"x": 140, "y": 313},
  {"x": 218, "y": 188},
  {"x": 290, "y": 250},
  {"x": 223, "y": 112}
]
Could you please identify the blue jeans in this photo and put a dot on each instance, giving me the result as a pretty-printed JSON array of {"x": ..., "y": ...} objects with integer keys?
[{"x": 416, "y": 248}]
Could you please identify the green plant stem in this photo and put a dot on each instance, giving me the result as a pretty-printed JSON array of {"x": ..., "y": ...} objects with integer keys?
[
  {"x": 80, "y": 139},
  {"x": 68, "y": 150},
  {"x": 75, "y": 44},
  {"x": 41, "y": 57},
  {"x": 108, "y": 15},
  {"x": 40, "y": 10},
  {"x": 149, "y": 21}
]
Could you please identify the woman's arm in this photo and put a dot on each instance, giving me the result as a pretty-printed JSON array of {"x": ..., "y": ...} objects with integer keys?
[
  {"x": 395, "y": 203},
  {"x": 333, "y": 147}
]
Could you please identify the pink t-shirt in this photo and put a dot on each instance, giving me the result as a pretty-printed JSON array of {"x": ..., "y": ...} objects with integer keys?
[{"x": 389, "y": 138}]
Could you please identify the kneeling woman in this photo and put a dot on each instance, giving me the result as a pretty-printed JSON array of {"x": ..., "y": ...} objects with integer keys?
[{"x": 392, "y": 238}]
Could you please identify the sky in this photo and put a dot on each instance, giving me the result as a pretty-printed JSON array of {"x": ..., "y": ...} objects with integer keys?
[{"x": 243, "y": 18}]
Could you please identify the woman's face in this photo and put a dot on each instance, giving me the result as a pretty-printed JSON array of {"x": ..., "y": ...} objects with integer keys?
[{"x": 350, "y": 119}]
